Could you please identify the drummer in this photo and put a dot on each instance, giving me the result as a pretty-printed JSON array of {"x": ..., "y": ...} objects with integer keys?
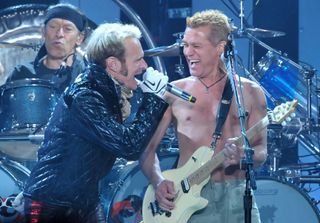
[{"x": 57, "y": 60}]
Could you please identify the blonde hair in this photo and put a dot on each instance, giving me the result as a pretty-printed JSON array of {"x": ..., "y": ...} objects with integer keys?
[
  {"x": 216, "y": 20},
  {"x": 108, "y": 40},
  {"x": 219, "y": 28}
]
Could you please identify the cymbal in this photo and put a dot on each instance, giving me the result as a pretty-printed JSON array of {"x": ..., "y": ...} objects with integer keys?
[
  {"x": 264, "y": 32},
  {"x": 14, "y": 45},
  {"x": 260, "y": 33},
  {"x": 164, "y": 51}
]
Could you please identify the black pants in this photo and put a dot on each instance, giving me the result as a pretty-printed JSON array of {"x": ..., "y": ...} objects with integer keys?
[{"x": 39, "y": 212}]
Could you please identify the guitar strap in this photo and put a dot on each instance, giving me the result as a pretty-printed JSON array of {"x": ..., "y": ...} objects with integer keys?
[{"x": 222, "y": 112}]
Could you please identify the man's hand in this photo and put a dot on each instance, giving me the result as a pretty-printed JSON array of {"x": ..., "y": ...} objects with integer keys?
[
  {"x": 232, "y": 154},
  {"x": 18, "y": 203},
  {"x": 165, "y": 195},
  {"x": 154, "y": 82}
]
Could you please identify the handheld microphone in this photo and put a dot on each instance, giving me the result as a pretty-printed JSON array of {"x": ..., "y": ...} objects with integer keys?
[
  {"x": 177, "y": 92},
  {"x": 180, "y": 93}
]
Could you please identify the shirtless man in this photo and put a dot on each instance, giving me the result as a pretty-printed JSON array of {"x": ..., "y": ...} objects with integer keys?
[{"x": 204, "y": 42}]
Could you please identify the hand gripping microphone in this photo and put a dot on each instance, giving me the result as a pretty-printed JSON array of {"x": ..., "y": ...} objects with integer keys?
[{"x": 177, "y": 92}]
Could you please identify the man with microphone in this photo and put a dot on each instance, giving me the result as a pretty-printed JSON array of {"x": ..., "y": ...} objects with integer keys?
[{"x": 86, "y": 132}]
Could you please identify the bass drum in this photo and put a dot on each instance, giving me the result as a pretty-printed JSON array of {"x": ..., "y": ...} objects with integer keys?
[
  {"x": 123, "y": 189},
  {"x": 280, "y": 202},
  {"x": 12, "y": 179}
]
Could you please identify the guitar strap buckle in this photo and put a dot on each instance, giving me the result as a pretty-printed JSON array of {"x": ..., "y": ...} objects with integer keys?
[{"x": 215, "y": 138}]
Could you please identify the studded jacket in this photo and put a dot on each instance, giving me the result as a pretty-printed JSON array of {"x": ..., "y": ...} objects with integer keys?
[{"x": 84, "y": 136}]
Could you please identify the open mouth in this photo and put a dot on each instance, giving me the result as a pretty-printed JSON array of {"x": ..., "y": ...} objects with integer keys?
[{"x": 193, "y": 63}]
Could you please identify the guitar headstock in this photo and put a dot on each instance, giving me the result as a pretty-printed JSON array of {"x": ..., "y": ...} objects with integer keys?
[{"x": 281, "y": 112}]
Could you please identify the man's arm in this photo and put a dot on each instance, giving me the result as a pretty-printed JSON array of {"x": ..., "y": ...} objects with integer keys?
[
  {"x": 149, "y": 162},
  {"x": 255, "y": 103},
  {"x": 258, "y": 110}
]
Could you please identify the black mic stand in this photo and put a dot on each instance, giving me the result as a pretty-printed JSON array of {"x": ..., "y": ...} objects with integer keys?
[{"x": 247, "y": 162}]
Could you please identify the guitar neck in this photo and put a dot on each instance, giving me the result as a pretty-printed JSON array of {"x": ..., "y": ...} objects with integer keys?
[{"x": 204, "y": 171}]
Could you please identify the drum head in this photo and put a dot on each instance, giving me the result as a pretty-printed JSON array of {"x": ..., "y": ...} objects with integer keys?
[{"x": 280, "y": 202}]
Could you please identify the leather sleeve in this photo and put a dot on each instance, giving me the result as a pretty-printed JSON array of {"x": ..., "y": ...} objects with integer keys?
[{"x": 96, "y": 120}]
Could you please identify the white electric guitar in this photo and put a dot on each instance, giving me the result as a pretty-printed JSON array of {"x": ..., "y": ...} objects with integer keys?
[{"x": 191, "y": 177}]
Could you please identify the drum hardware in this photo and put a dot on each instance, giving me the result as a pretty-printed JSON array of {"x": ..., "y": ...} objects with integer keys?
[
  {"x": 173, "y": 50},
  {"x": 257, "y": 32},
  {"x": 169, "y": 142},
  {"x": 288, "y": 175},
  {"x": 163, "y": 51},
  {"x": 274, "y": 149},
  {"x": 4, "y": 44},
  {"x": 36, "y": 138},
  {"x": 179, "y": 68},
  {"x": 309, "y": 123},
  {"x": 167, "y": 51},
  {"x": 309, "y": 179}
]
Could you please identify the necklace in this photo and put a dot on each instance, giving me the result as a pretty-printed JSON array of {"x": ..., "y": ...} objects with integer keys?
[{"x": 211, "y": 85}]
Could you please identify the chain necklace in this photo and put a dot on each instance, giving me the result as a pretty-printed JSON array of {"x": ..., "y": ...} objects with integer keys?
[{"x": 211, "y": 85}]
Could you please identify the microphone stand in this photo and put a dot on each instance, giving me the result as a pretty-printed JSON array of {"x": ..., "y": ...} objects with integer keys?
[{"x": 247, "y": 162}]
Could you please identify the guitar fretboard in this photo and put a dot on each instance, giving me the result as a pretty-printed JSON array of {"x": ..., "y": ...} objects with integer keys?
[{"x": 204, "y": 171}]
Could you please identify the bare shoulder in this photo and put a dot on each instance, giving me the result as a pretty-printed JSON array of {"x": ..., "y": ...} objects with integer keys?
[
  {"x": 184, "y": 82},
  {"x": 251, "y": 86}
]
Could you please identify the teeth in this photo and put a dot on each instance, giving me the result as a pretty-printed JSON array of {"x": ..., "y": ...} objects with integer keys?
[{"x": 193, "y": 61}]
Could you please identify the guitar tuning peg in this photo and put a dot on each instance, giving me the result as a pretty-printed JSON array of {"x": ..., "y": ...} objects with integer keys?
[
  {"x": 293, "y": 115},
  {"x": 284, "y": 123},
  {"x": 288, "y": 119}
]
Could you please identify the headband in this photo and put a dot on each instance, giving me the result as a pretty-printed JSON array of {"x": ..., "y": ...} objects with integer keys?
[{"x": 67, "y": 13}]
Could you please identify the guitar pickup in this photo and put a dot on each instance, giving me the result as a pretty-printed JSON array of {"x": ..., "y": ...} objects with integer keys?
[{"x": 185, "y": 185}]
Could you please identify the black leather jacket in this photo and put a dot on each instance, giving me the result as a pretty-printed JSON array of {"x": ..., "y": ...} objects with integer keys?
[{"x": 84, "y": 136}]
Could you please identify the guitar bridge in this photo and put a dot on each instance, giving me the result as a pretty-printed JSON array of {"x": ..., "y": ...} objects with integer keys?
[{"x": 155, "y": 209}]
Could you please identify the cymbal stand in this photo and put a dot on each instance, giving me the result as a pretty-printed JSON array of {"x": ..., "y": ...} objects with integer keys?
[
  {"x": 275, "y": 149},
  {"x": 241, "y": 15},
  {"x": 179, "y": 68},
  {"x": 309, "y": 124}
]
